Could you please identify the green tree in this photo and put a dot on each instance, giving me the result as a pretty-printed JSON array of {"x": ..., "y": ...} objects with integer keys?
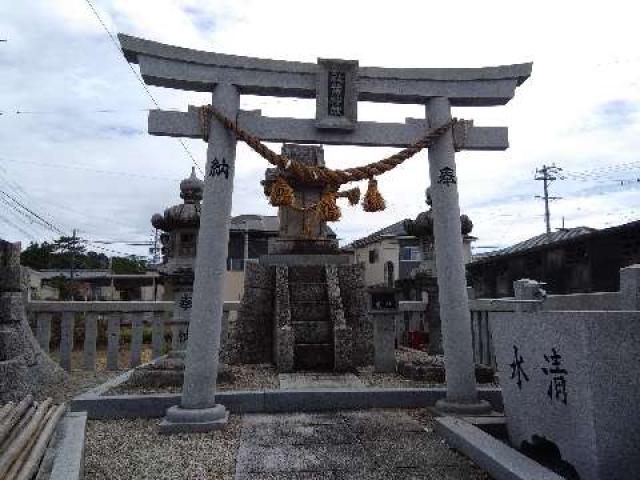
[
  {"x": 58, "y": 255},
  {"x": 37, "y": 256},
  {"x": 132, "y": 264}
]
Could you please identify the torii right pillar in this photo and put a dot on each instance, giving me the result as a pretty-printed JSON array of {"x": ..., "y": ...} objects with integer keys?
[{"x": 462, "y": 394}]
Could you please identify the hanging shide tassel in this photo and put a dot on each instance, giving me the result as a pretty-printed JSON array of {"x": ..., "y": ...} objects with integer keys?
[
  {"x": 353, "y": 195},
  {"x": 373, "y": 201},
  {"x": 327, "y": 209},
  {"x": 281, "y": 193}
]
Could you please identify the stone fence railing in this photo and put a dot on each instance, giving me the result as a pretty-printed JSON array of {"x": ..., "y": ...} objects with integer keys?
[{"x": 133, "y": 315}]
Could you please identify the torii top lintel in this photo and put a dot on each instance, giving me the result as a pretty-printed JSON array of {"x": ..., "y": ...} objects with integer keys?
[{"x": 166, "y": 66}]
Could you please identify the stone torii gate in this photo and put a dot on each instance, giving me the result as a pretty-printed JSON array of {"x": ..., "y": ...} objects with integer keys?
[{"x": 337, "y": 85}]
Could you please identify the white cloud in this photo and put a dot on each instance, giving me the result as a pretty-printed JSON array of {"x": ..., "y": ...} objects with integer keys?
[{"x": 58, "y": 59}]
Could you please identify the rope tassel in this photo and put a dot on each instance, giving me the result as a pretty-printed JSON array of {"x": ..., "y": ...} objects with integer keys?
[
  {"x": 281, "y": 193},
  {"x": 353, "y": 195},
  {"x": 373, "y": 201},
  {"x": 327, "y": 209}
]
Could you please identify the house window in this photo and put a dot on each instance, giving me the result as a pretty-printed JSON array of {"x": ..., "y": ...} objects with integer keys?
[
  {"x": 388, "y": 274},
  {"x": 410, "y": 254},
  {"x": 373, "y": 256}
]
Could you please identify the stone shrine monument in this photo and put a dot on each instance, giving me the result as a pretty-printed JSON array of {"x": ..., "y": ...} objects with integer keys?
[
  {"x": 337, "y": 86},
  {"x": 304, "y": 305}
]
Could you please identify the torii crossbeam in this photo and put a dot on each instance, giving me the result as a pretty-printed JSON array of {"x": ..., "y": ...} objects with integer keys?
[{"x": 337, "y": 85}]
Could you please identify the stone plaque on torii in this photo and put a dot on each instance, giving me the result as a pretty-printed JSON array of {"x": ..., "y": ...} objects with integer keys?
[{"x": 337, "y": 86}]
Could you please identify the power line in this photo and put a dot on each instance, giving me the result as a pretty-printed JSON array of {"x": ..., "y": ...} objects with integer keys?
[
  {"x": 88, "y": 169},
  {"x": 34, "y": 214},
  {"x": 602, "y": 171},
  {"x": 67, "y": 112},
  {"x": 56, "y": 229},
  {"x": 17, "y": 227},
  {"x": 140, "y": 80},
  {"x": 20, "y": 215}
]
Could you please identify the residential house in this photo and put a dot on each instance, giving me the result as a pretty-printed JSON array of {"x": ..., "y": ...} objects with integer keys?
[{"x": 571, "y": 260}]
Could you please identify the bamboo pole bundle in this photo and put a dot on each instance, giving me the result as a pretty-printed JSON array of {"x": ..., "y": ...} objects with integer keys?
[
  {"x": 10, "y": 420},
  {"x": 37, "y": 451},
  {"x": 13, "y": 451},
  {"x": 19, "y": 426},
  {"x": 4, "y": 411},
  {"x": 19, "y": 464}
]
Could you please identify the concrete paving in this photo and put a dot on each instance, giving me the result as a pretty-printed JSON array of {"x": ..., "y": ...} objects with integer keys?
[{"x": 374, "y": 444}]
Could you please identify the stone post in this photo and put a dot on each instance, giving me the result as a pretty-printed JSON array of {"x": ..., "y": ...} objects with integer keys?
[
  {"x": 198, "y": 410},
  {"x": 630, "y": 288},
  {"x": 462, "y": 394},
  {"x": 384, "y": 335},
  {"x": 529, "y": 295}
]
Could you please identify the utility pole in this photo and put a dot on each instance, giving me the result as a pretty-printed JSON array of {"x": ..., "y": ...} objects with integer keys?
[
  {"x": 72, "y": 247},
  {"x": 73, "y": 253},
  {"x": 547, "y": 174}
]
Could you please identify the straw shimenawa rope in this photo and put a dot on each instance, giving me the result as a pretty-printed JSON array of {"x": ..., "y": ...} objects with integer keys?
[{"x": 322, "y": 175}]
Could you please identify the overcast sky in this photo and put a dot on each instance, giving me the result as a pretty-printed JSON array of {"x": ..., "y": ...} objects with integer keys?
[{"x": 100, "y": 172}]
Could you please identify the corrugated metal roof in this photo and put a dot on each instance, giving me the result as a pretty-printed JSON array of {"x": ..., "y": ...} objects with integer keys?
[{"x": 539, "y": 241}]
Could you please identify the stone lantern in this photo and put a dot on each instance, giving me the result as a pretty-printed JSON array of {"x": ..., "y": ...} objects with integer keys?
[
  {"x": 180, "y": 224},
  {"x": 424, "y": 277}
]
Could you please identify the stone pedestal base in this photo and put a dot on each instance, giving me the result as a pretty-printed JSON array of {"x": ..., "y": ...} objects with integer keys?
[
  {"x": 183, "y": 420},
  {"x": 445, "y": 407}
]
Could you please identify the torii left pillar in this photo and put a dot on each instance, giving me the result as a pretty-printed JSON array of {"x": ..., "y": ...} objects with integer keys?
[{"x": 198, "y": 410}]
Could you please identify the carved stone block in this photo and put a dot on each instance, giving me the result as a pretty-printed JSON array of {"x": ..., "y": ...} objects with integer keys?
[{"x": 337, "y": 94}]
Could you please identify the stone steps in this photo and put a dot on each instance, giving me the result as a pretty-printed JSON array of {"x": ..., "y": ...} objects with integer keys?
[
  {"x": 308, "y": 292},
  {"x": 312, "y": 332},
  {"x": 313, "y": 356},
  {"x": 306, "y": 274},
  {"x": 310, "y": 317},
  {"x": 310, "y": 312}
]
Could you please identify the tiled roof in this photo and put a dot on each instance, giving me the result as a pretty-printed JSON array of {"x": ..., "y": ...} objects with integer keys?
[
  {"x": 396, "y": 230},
  {"x": 263, "y": 223},
  {"x": 538, "y": 241}
]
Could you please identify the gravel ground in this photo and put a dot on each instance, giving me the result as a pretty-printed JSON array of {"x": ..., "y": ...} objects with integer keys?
[
  {"x": 246, "y": 377},
  {"x": 133, "y": 449},
  {"x": 127, "y": 449},
  {"x": 394, "y": 380},
  {"x": 81, "y": 380},
  {"x": 412, "y": 355},
  {"x": 390, "y": 380}
]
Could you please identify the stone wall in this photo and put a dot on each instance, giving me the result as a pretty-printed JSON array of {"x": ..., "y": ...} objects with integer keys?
[
  {"x": 354, "y": 303},
  {"x": 251, "y": 335}
]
